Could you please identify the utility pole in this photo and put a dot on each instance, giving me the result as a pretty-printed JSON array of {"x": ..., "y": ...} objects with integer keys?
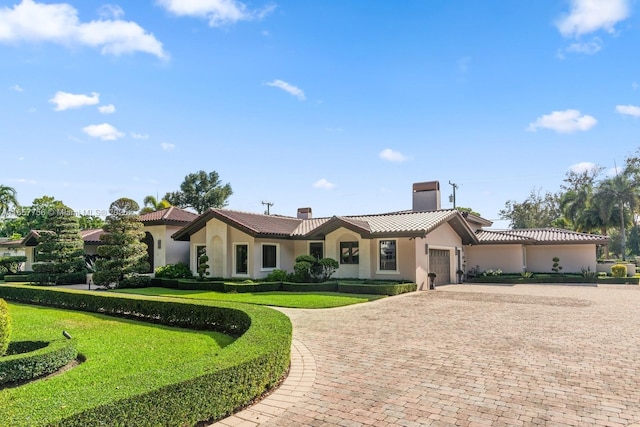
[
  {"x": 452, "y": 198},
  {"x": 268, "y": 205}
]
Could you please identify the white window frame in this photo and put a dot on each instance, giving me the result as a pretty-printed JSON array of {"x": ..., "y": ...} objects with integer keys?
[
  {"x": 262, "y": 267},
  {"x": 235, "y": 261},
  {"x": 380, "y": 271}
]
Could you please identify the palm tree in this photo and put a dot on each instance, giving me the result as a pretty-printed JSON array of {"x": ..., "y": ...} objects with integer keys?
[
  {"x": 573, "y": 203},
  {"x": 618, "y": 193},
  {"x": 151, "y": 204},
  {"x": 8, "y": 199}
]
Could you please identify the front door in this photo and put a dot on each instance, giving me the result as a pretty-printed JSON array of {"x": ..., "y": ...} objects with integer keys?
[{"x": 439, "y": 263}]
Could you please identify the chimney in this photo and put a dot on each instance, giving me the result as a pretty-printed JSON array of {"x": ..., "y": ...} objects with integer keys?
[
  {"x": 426, "y": 196},
  {"x": 304, "y": 213}
]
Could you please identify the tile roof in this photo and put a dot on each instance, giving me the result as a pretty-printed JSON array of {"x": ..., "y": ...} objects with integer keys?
[
  {"x": 92, "y": 236},
  {"x": 406, "y": 223},
  {"x": 171, "y": 215},
  {"x": 538, "y": 236}
]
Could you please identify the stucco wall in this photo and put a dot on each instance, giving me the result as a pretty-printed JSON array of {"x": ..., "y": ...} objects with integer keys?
[
  {"x": 508, "y": 258},
  {"x": 444, "y": 238},
  {"x": 332, "y": 250},
  {"x": 405, "y": 256},
  {"x": 572, "y": 257}
]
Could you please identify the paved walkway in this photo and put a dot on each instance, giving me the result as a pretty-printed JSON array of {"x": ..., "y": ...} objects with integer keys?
[{"x": 464, "y": 355}]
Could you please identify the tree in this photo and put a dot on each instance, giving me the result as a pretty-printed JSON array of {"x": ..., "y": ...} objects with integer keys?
[
  {"x": 151, "y": 204},
  {"x": 537, "y": 211},
  {"x": 200, "y": 191},
  {"x": 123, "y": 253},
  {"x": 60, "y": 246},
  {"x": 469, "y": 210},
  {"x": 8, "y": 199},
  {"x": 90, "y": 222},
  {"x": 618, "y": 192}
]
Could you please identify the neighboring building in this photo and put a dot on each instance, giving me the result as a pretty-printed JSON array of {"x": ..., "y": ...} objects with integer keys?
[{"x": 404, "y": 245}]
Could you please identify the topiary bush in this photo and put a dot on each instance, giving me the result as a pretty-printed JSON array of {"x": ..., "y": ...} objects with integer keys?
[
  {"x": 619, "y": 270},
  {"x": 277, "y": 276},
  {"x": 44, "y": 360},
  {"x": 5, "y": 327}
]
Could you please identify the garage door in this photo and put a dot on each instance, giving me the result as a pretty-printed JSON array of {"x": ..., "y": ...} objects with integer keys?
[{"x": 439, "y": 264}]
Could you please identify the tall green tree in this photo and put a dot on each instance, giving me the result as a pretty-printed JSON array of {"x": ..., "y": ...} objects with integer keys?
[
  {"x": 151, "y": 204},
  {"x": 201, "y": 191},
  {"x": 8, "y": 199},
  {"x": 619, "y": 193},
  {"x": 88, "y": 222},
  {"x": 60, "y": 246},
  {"x": 536, "y": 211},
  {"x": 122, "y": 252}
]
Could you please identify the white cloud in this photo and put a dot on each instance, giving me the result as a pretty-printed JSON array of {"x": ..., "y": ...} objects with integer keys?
[
  {"x": 323, "y": 184},
  {"x": 588, "y": 16},
  {"x": 567, "y": 121},
  {"x": 104, "y": 131},
  {"x": 66, "y": 100},
  {"x": 583, "y": 167},
  {"x": 16, "y": 88},
  {"x": 24, "y": 181},
  {"x": 34, "y": 22},
  {"x": 289, "y": 88},
  {"x": 111, "y": 11},
  {"x": 167, "y": 147},
  {"x": 392, "y": 156},
  {"x": 218, "y": 12},
  {"x": 107, "y": 109},
  {"x": 628, "y": 110},
  {"x": 139, "y": 135},
  {"x": 588, "y": 48}
]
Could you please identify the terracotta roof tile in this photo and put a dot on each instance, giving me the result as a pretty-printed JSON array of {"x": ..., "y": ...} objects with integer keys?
[
  {"x": 259, "y": 223},
  {"x": 92, "y": 236},
  {"x": 538, "y": 236},
  {"x": 172, "y": 214}
]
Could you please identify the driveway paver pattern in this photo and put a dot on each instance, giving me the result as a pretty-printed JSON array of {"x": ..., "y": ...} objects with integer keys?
[{"x": 472, "y": 355}]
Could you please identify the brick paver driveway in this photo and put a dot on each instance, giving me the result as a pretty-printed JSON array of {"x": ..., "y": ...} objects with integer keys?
[{"x": 474, "y": 355}]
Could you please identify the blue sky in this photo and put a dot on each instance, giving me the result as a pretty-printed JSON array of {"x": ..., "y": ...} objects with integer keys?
[{"x": 336, "y": 105}]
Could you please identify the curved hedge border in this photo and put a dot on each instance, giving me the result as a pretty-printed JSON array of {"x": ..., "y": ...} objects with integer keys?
[
  {"x": 376, "y": 289},
  {"x": 310, "y": 287},
  {"x": 254, "y": 363},
  {"x": 252, "y": 287},
  {"x": 42, "y": 361}
]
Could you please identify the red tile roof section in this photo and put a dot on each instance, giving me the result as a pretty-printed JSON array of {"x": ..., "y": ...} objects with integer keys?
[
  {"x": 538, "y": 236},
  {"x": 172, "y": 214}
]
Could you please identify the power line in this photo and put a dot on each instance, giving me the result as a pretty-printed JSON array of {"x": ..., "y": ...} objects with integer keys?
[{"x": 268, "y": 205}]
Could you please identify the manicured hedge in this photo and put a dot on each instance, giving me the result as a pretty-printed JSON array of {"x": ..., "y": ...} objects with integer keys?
[
  {"x": 376, "y": 289},
  {"x": 252, "y": 364},
  {"x": 310, "y": 287},
  {"x": 188, "y": 284},
  {"x": 252, "y": 287},
  {"x": 551, "y": 279},
  {"x": 45, "y": 359},
  {"x": 54, "y": 279},
  {"x": 21, "y": 277},
  {"x": 135, "y": 281}
]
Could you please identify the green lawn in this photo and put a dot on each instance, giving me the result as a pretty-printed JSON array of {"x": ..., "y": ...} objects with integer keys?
[
  {"x": 276, "y": 299},
  {"x": 123, "y": 358}
]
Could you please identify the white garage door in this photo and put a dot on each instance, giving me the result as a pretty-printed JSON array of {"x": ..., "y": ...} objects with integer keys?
[{"x": 439, "y": 263}]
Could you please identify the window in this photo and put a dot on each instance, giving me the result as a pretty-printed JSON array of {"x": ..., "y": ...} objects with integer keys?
[
  {"x": 316, "y": 249},
  {"x": 349, "y": 253},
  {"x": 388, "y": 259},
  {"x": 242, "y": 258},
  {"x": 269, "y": 256}
]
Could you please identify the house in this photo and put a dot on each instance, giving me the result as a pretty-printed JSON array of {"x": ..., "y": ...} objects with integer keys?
[
  {"x": 403, "y": 245},
  {"x": 158, "y": 228}
]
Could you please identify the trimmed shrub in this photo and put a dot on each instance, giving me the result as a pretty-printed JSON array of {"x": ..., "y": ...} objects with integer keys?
[
  {"x": 619, "y": 270},
  {"x": 44, "y": 360},
  {"x": 12, "y": 264},
  {"x": 310, "y": 287},
  {"x": 276, "y": 276},
  {"x": 252, "y": 287},
  {"x": 135, "y": 281},
  {"x": 255, "y": 362},
  {"x": 376, "y": 289},
  {"x": 14, "y": 278},
  {"x": 189, "y": 284},
  {"x": 174, "y": 271},
  {"x": 5, "y": 327},
  {"x": 56, "y": 279}
]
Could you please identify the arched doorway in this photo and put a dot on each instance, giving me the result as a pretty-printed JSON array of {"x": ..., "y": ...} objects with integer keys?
[{"x": 148, "y": 239}]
